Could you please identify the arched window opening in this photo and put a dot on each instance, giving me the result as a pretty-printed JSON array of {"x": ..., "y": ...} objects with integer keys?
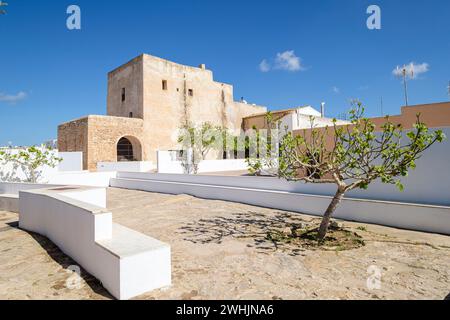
[{"x": 125, "y": 150}]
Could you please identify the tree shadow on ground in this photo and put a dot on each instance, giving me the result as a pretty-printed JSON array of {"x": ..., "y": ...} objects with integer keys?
[
  {"x": 65, "y": 261},
  {"x": 247, "y": 225}
]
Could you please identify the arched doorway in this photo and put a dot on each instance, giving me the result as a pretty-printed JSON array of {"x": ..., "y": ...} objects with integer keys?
[{"x": 128, "y": 149}]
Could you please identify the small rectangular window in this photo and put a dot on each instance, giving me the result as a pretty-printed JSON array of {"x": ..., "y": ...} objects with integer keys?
[
  {"x": 164, "y": 84},
  {"x": 131, "y": 114},
  {"x": 191, "y": 92},
  {"x": 123, "y": 94}
]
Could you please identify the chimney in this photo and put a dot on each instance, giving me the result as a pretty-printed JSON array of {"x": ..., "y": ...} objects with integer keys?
[
  {"x": 202, "y": 66},
  {"x": 322, "y": 109}
]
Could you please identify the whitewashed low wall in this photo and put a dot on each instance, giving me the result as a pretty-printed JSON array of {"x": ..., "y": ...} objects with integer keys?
[
  {"x": 13, "y": 173},
  {"x": 71, "y": 161},
  {"x": 9, "y": 194},
  {"x": 222, "y": 165},
  {"x": 14, "y": 188},
  {"x": 252, "y": 191},
  {"x": 167, "y": 164},
  {"x": 129, "y": 166},
  {"x": 83, "y": 178},
  {"x": 127, "y": 263},
  {"x": 79, "y": 178}
]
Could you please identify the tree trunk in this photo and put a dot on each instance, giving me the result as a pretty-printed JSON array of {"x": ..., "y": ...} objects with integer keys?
[{"x": 330, "y": 210}]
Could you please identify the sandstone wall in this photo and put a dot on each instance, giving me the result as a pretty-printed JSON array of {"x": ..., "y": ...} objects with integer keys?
[
  {"x": 128, "y": 77},
  {"x": 97, "y": 138},
  {"x": 192, "y": 96},
  {"x": 189, "y": 94},
  {"x": 73, "y": 137}
]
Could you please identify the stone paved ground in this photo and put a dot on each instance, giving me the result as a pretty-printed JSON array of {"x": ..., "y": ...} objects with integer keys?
[{"x": 220, "y": 251}]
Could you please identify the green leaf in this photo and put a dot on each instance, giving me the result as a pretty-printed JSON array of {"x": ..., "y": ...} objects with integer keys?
[{"x": 399, "y": 185}]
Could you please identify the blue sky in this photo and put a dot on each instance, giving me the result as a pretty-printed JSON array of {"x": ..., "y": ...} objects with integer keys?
[{"x": 49, "y": 74}]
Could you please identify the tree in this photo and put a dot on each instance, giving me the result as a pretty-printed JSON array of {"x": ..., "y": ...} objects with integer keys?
[
  {"x": 197, "y": 142},
  {"x": 264, "y": 142},
  {"x": 353, "y": 156},
  {"x": 31, "y": 161}
]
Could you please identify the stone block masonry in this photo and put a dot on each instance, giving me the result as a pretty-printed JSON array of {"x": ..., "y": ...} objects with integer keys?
[{"x": 97, "y": 138}]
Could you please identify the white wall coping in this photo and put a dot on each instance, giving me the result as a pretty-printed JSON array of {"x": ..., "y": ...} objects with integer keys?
[
  {"x": 85, "y": 178},
  {"x": 133, "y": 166},
  {"x": 15, "y": 187},
  {"x": 58, "y": 194}
]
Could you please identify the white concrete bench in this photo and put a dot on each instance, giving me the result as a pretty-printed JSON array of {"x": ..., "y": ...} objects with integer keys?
[
  {"x": 127, "y": 262},
  {"x": 144, "y": 261}
]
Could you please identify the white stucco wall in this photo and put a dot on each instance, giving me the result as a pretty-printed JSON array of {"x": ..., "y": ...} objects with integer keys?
[
  {"x": 71, "y": 161},
  {"x": 222, "y": 165},
  {"x": 11, "y": 173},
  {"x": 166, "y": 164},
  {"x": 130, "y": 166},
  {"x": 83, "y": 178},
  {"x": 80, "y": 178},
  {"x": 301, "y": 121}
]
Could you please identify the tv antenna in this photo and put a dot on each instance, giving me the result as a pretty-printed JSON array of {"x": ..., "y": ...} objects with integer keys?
[
  {"x": 382, "y": 113},
  {"x": 405, "y": 72},
  {"x": 448, "y": 89}
]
